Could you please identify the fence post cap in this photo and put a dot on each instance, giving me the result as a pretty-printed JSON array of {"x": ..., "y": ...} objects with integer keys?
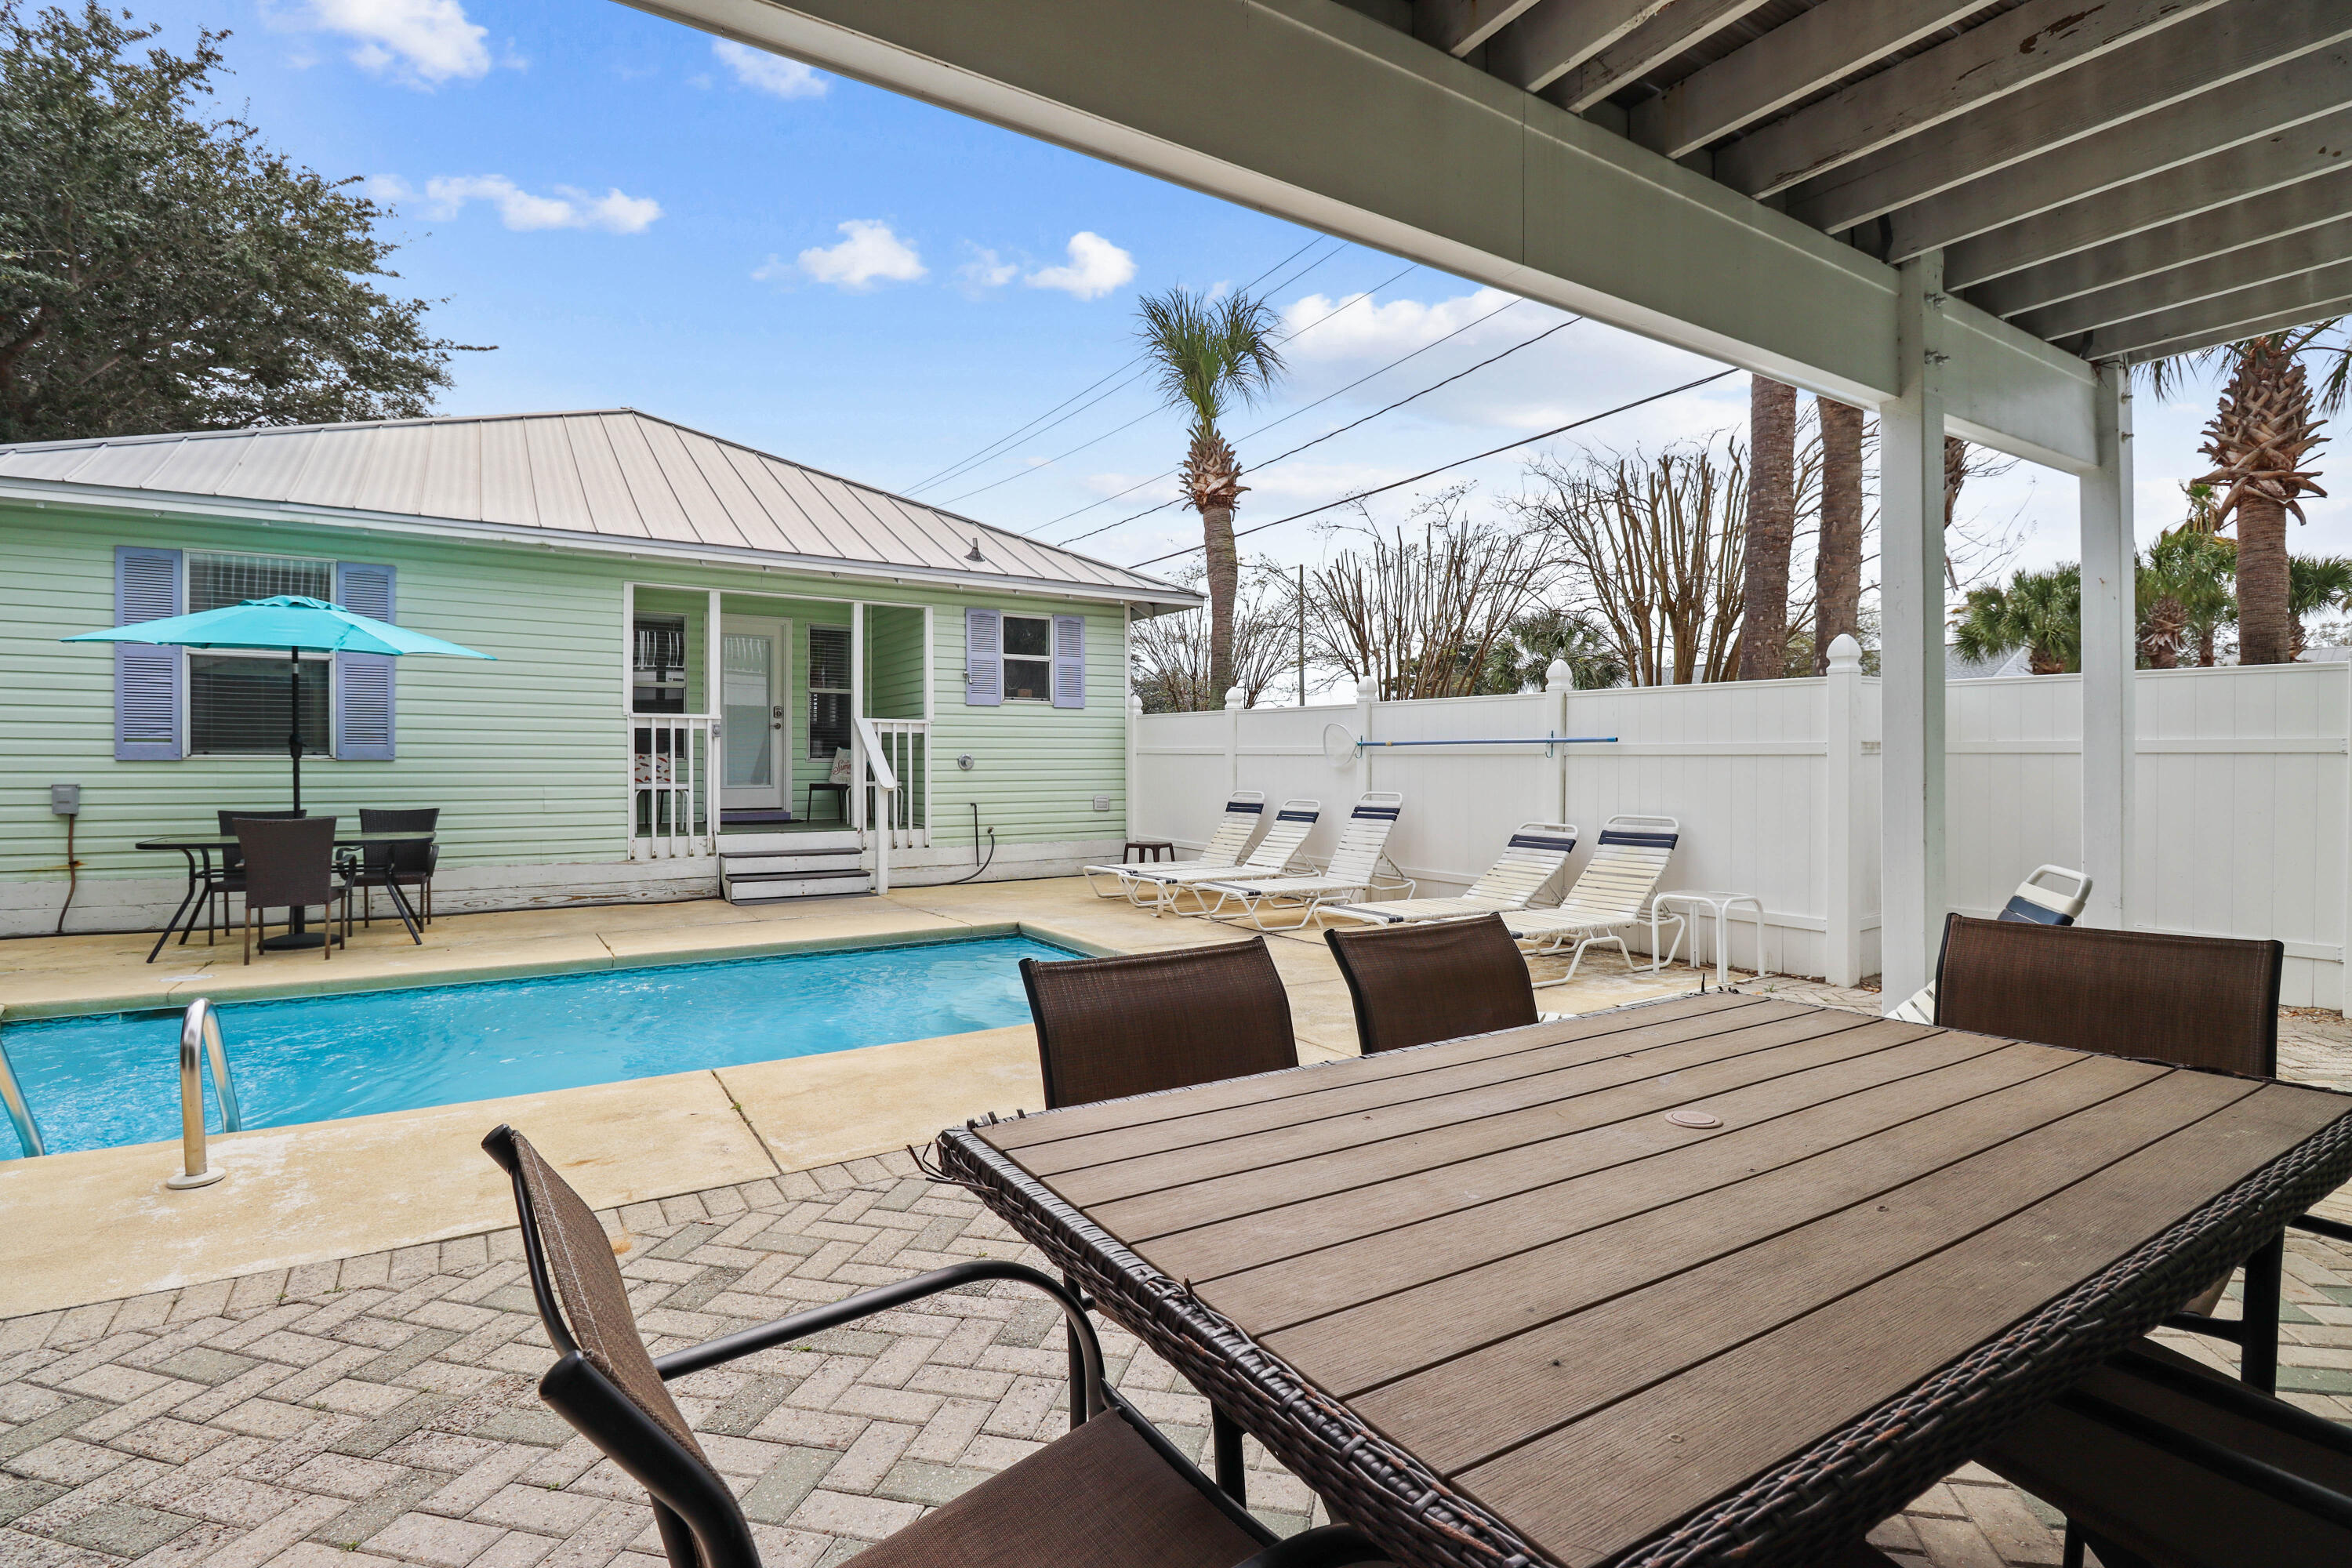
[
  {"x": 1235, "y": 697},
  {"x": 1367, "y": 690},
  {"x": 1845, "y": 654},
  {"x": 1558, "y": 676}
]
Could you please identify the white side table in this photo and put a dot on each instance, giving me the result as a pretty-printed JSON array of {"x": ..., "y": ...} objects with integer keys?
[{"x": 1693, "y": 902}]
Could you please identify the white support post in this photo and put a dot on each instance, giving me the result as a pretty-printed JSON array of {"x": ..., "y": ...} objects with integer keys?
[
  {"x": 1131, "y": 714},
  {"x": 1911, "y": 594},
  {"x": 2110, "y": 652},
  {"x": 1841, "y": 856},
  {"x": 856, "y": 711},
  {"x": 714, "y": 682},
  {"x": 930, "y": 721},
  {"x": 629, "y": 710}
]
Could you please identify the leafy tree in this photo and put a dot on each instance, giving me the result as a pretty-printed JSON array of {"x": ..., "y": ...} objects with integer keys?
[
  {"x": 2184, "y": 594},
  {"x": 1525, "y": 657},
  {"x": 2317, "y": 583},
  {"x": 1208, "y": 355},
  {"x": 160, "y": 270},
  {"x": 2041, "y": 612}
]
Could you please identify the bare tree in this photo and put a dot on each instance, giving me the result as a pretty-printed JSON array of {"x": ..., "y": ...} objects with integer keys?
[
  {"x": 1423, "y": 608},
  {"x": 1653, "y": 549},
  {"x": 1771, "y": 527},
  {"x": 1173, "y": 656}
]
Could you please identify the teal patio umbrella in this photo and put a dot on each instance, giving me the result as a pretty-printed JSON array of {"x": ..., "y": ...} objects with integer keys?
[{"x": 289, "y": 621}]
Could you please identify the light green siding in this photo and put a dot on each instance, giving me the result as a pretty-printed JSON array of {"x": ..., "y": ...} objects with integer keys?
[{"x": 528, "y": 757}]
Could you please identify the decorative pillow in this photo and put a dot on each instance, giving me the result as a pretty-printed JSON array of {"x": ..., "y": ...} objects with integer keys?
[{"x": 840, "y": 766}]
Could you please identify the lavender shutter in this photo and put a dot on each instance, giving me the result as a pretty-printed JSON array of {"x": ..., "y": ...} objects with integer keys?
[
  {"x": 1069, "y": 661},
  {"x": 983, "y": 659},
  {"x": 363, "y": 682},
  {"x": 146, "y": 679}
]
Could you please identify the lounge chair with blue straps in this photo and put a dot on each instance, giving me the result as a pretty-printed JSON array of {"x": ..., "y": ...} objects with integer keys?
[
  {"x": 1162, "y": 888},
  {"x": 1245, "y": 814},
  {"x": 1529, "y": 862},
  {"x": 1610, "y": 894},
  {"x": 1357, "y": 868},
  {"x": 2032, "y": 904}
]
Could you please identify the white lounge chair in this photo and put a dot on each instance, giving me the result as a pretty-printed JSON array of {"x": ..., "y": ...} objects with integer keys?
[
  {"x": 1533, "y": 858},
  {"x": 2032, "y": 903},
  {"x": 1354, "y": 870},
  {"x": 1245, "y": 814},
  {"x": 1165, "y": 884},
  {"x": 1628, "y": 859}
]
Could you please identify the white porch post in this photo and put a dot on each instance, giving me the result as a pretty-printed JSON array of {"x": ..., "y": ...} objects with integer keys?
[
  {"x": 2110, "y": 652},
  {"x": 1911, "y": 566},
  {"x": 856, "y": 711},
  {"x": 714, "y": 687}
]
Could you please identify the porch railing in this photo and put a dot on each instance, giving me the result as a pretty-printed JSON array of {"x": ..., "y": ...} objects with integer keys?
[
  {"x": 899, "y": 813},
  {"x": 673, "y": 785}
]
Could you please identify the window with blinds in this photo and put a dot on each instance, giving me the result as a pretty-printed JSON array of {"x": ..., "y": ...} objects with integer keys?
[
  {"x": 238, "y": 699},
  {"x": 214, "y": 581},
  {"x": 828, "y": 679}
]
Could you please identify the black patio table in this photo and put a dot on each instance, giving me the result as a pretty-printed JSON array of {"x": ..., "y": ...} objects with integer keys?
[
  {"x": 1722, "y": 1280},
  {"x": 198, "y": 850}
]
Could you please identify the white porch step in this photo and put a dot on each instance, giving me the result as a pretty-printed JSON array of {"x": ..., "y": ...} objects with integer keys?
[
  {"x": 777, "y": 886},
  {"x": 762, "y": 862},
  {"x": 766, "y": 876},
  {"x": 733, "y": 843}
]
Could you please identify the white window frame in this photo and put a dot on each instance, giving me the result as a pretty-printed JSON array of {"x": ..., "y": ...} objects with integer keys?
[
  {"x": 1004, "y": 618},
  {"x": 846, "y": 694},
  {"x": 188, "y": 559}
]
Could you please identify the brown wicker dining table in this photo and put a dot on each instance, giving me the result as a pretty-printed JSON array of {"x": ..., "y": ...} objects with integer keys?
[{"x": 1719, "y": 1279}]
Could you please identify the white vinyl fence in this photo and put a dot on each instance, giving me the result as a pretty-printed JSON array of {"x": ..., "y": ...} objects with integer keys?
[{"x": 2244, "y": 796}]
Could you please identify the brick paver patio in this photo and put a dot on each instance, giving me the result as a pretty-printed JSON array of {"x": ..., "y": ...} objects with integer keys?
[{"x": 380, "y": 1409}]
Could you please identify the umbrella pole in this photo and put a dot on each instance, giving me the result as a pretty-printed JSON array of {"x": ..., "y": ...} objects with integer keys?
[{"x": 294, "y": 723}]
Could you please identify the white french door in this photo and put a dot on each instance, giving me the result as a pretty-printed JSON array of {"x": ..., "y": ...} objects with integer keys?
[{"x": 753, "y": 683}]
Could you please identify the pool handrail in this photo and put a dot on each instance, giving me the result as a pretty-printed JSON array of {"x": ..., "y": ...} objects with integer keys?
[
  {"x": 20, "y": 1113},
  {"x": 200, "y": 1037}
]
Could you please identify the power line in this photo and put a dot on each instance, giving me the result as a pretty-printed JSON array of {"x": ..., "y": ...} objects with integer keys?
[
  {"x": 1458, "y": 462},
  {"x": 1263, "y": 428},
  {"x": 965, "y": 464},
  {"x": 1021, "y": 473},
  {"x": 1343, "y": 429}
]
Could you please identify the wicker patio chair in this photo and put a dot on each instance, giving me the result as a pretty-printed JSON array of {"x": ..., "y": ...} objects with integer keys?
[
  {"x": 289, "y": 864},
  {"x": 228, "y": 877},
  {"x": 1114, "y": 1493},
  {"x": 1140, "y": 1023},
  {"x": 1436, "y": 981},
  {"x": 410, "y": 865},
  {"x": 2159, "y": 1463}
]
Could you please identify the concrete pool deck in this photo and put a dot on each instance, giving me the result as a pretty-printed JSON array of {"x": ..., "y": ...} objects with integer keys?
[{"x": 100, "y": 1225}]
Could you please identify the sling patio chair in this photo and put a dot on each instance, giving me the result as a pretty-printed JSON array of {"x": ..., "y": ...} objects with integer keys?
[
  {"x": 1628, "y": 859},
  {"x": 2194, "y": 1001},
  {"x": 1437, "y": 979},
  {"x": 1529, "y": 862},
  {"x": 1113, "y": 1493},
  {"x": 1245, "y": 814},
  {"x": 1165, "y": 886},
  {"x": 2033, "y": 903},
  {"x": 2158, "y": 1462},
  {"x": 1354, "y": 870}
]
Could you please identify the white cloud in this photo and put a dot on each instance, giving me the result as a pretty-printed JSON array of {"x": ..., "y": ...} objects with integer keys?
[
  {"x": 986, "y": 270},
  {"x": 769, "y": 73},
  {"x": 1097, "y": 266},
  {"x": 613, "y": 212},
  {"x": 420, "y": 42},
  {"x": 868, "y": 253}
]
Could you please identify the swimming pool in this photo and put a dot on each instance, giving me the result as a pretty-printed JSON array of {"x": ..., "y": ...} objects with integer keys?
[{"x": 106, "y": 1080}]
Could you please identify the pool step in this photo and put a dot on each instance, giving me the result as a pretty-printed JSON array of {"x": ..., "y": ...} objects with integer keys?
[{"x": 769, "y": 877}]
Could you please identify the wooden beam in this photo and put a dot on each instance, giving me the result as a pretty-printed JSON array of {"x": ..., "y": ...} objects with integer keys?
[
  {"x": 2232, "y": 227},
  {"x": 1557, "y": 36},
  {"x": 2098, "y": 194},
  {"x": 1645, "y": 48},
  {"x": 1990, "y": 61},
  {"x": 1787, "y": 65},
  {"x": 2248, "y": 312},
  {"x": 2210, "y": 49},
  {"x": 1458, "y": 27},
  {"x": 2272, "y": 261}
]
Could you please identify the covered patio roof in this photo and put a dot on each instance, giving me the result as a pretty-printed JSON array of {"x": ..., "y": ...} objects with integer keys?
[{"x": 1970, "y": 217}]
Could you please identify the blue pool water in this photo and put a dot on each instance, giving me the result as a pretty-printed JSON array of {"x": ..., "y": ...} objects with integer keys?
[{"x": 112, "y": 1078}]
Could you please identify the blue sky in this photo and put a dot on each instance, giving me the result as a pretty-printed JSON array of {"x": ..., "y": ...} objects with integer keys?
[{"x": 637, "y": 214}]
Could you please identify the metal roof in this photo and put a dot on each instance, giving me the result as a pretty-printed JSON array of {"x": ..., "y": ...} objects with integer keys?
[{"x": 596, "y": 477}]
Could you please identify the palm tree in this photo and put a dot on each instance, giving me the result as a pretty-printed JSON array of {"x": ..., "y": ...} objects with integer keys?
[
  {"x": 2041, "y": 612},
  {"x": 2260, "y": 440},
  {"x": 2184, "y": 594},
  {"x": 1771, "y": 525},
  {"x": 1209, "y": 355},
  {"x": 1837, "y": 557},
  {"x": 2317, "y": 583}
]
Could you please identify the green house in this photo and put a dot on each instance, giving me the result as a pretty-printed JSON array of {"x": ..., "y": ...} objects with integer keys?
[{"x": 716, "y": 670}]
